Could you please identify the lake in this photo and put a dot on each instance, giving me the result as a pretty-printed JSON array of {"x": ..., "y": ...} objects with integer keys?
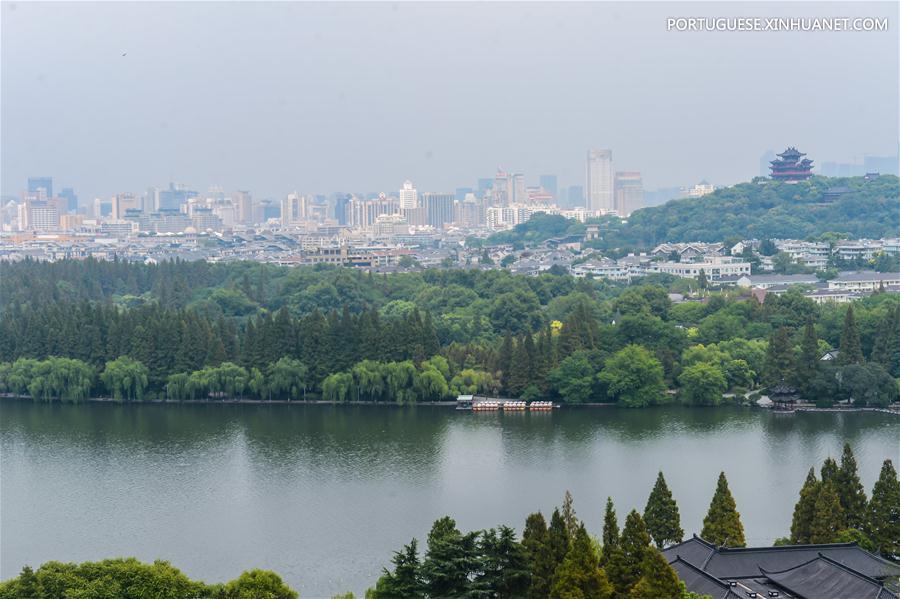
[{"x": 324, "y": 494}]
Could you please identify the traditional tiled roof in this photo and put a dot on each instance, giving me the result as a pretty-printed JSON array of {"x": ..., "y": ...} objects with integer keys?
[
  {"x": 825, "y": 578},
  {"x": 698, "y": 581}
]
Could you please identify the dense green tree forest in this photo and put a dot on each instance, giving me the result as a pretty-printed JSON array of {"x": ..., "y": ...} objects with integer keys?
[
  {"x": 760, "y": 209},
  {"x": 558, "y": 560},
  {"x": 74, "y": 329}
]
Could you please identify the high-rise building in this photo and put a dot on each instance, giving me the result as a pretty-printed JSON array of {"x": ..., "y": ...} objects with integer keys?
[
  {"x": 462, "y": 192},
  {"x": 71, "y": 200},
  {"x": 549, "y": 184},
  {"x": 600, "y": 182},
  {"x": 341, "y": 201},
  {"x": 438, "y": 209},
  {"x": 243, "y": 203},
  {"x": 484, "y": 185},
  {"x": 122, "y": 202},
  {"x": 36, "y": 184},
  {"x": 409, "y": 197},
  {"x": 629, "y": 192},
  {"x": 39, "y": 215},
  {"x": 576, "y": 196},
  {"x": 519, "y": 194},
  {"x": 501, "y": 190},
  {"x": 174, "y": 197},
  {"x": 294, "y": 209}
]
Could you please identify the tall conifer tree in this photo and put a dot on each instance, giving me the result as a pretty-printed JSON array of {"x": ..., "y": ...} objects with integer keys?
[
  {"x": 850, "y": 491},
  {"x": 805, "y": 509},
  {"x": 883, "y": 518},
  {"x": 722, "y": 524},
  {"x": 850, "y": 347},
  {"x": 828, "y": 520},
  {"x": 661, "y": 515}
]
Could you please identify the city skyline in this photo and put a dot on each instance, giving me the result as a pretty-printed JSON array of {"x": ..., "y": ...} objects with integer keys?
[{"x": 290, "y": 115}]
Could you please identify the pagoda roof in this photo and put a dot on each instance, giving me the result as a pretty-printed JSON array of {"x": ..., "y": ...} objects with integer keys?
[{"x": 791, "y": 151}]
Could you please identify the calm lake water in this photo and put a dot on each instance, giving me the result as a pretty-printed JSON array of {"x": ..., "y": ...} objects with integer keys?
[{"x": 324, "y": 495}]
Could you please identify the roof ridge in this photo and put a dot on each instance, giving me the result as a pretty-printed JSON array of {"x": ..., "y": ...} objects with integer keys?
[
  {"x": 791, "y": 547},
  {"x": 715, "y": 579}
]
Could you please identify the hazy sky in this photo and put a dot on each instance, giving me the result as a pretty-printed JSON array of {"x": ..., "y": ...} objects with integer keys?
[{"x": 274, "y": 97}]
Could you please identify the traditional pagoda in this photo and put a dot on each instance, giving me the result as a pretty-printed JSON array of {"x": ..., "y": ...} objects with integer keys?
[
  {"x": 789, "y": 166},
  {"x": 783, "y": 397}
]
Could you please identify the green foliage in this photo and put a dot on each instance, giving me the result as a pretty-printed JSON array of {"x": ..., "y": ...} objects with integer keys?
[
  {"x": 770, "y": 209},
  {"x": 850, "y": 347},
  {"x": 702, "y": 384},
  {"x": 404, "y": 580},
  {"x": 624, "y": 567},
  {"x": 541, "y": 562},
  {"x": 850, "y": 491},
  {"x": 661, "y": 515},
  {"x": 131, "y": 579},
  {"x": 580, "y": 575},
  {"x": 883, "y": 514},
  {"x": 125, "y": 378},
  {"x": 634, "y": 377},
  {"x": 828, "y": 520},
  {"x": 540, "y": 227},
  {"x": 805, "y": 510},
  {"x": 779, "y": 367},
  {"x": 450, "y": 561},
  {"x": 722, "y": 524},
  {"x": 658, "y": 580},
  {"x": 610, "y": 539}
]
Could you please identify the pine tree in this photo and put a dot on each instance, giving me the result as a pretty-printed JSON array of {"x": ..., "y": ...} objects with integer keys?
[
  {"x": 722, "y": 524},
  {"x": 805, "y": 509},
  {"x": 568, "y": 515},
  {"x": 450, "y": 560},
  {"x": 884, "y": 339},
  {"x": 883, "y": 517},
  {"x": 808, "y": 364},
  {"x": 624, "y": 565},
  {"x": 828, "y": 520},
  {"x": 658, "y": 581},
  {"x": 830, "y": 471},
  {"x": 779, "y": 365},
  {"x": 536, "y": 540},
  {"x": 850, "y": 491},
  {"x": 503, "y": 569},
  {"x": 610, "y": 532},
  {"x": 580, "y": 575},
  {"x": 850, "y": 347},
  {"x": 404, "y": 581},
  {"x": 558, "y": 538},
  {"x": 661, "y": 515}
]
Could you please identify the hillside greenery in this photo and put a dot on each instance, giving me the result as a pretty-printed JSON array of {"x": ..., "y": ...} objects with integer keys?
[{"x": 760, "y": 209}]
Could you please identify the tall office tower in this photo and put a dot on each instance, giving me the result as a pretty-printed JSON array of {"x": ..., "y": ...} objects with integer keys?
[
  {"x": 36, "y": 184},
  {"x": 549, "y": 184},
  {"x": 409, "y": 197},
  {"x": 765, "y": 162},
  {"x": 293, "y": 209},
  {"x": 341, "y": 200},
  {"x": 438, "y": 209},
  {"x": 599, "y": 184},
  {"x": 71, "y": 200},
  {"x": 243, "y": 203},
  {"x": 501, "y": 191},
  {"x": 576, "y": 196},
  {"x": 484, "y": 186},
  {"x": 629, "y": 192},
  {"x": 462, "y": 192},
  {"x": 175, "y": 196},
  {"x": 123, "y": 202},
  {"x": 519, "y": 193}
]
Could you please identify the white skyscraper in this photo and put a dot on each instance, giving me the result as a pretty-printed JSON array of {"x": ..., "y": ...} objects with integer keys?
[
  {"x": 600, "y": 182},
  {"x": 409, "y": 197}
]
